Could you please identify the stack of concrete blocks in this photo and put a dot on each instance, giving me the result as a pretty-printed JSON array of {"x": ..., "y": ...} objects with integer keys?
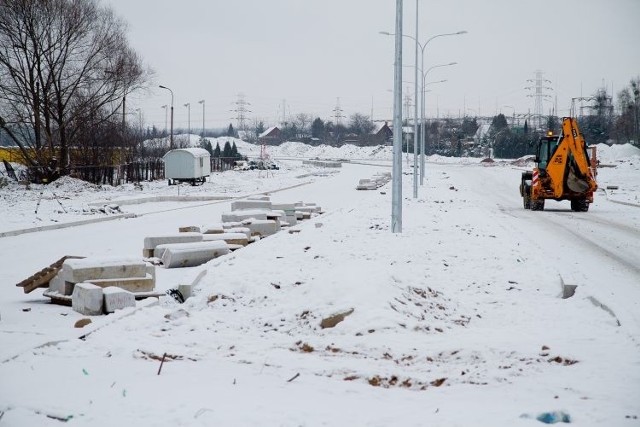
[
  {"x": 87, "y": 279},
  {"x": 190, "y": 254},
  {"x": 366, "y": 184},
  {"x": 381, "y": 178},
  {"x": 323, "y": 163},
  {"x": 306, "y": 210},
  {"x": 239, "y": 205},
  {"x": 254, "y": 228},
  {"x": 185, "y": 249},
  {"x": 231, "y": 238},
  {"x": 151, "y": 243},
  {"x": 256, "y": 214},
  {"x": 92, "y": 300},
  {"x": 261, "y": 227},
  {"x": 378, "y": 180},
  {"x": 289, "y": 210}
]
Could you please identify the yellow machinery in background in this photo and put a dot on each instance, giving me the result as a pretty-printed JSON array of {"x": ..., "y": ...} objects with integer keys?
[{"x": 563, "y": 171}]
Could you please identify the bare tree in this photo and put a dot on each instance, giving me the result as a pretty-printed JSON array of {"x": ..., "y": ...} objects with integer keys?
[
  {"x": 303, "y": 124},
  {"x": 360, "y": 124},
  {"x": 65, "y": 65}
]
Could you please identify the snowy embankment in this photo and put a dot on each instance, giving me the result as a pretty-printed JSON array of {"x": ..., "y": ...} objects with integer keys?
[{"x": 455, "y": 321}]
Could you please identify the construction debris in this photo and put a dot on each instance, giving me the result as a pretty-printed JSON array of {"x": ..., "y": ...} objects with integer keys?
[{"x": 42, "y": 278}]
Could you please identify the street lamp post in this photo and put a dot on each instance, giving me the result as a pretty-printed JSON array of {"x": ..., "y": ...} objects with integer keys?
[
  {"x": 202, "y": 102},
  {"x": 396, "y": 184},
  {"x": 424, "y": 103},
  {"x": 188, "y": 105},
  {"x": 422, "y": 48},
  {"x": 171, "y": 138},
  {"x": 415, "y": 115}
]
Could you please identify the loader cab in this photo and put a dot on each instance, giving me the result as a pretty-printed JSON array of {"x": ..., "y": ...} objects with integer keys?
[{"x": 547, "y": 146}]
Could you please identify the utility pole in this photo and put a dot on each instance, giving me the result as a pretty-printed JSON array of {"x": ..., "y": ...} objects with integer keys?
[
  {"x": 241, "y": 110},
  {"x": 337, "y": 112},
  {"x": 415, "y": 116},
  {"x": 166, "y": 112},
  {"x": 171, "y": 137},
  {"x": 284, "y": 111},
  {"x": 188, "y": 105},
  {"x": 202, "y": 102},
  {"x": 539, "y": 95},
  {"x": 396, "y": 184}
]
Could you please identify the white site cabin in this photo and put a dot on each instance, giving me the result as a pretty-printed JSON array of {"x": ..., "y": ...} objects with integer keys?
[{"x": 187, "y": 165}]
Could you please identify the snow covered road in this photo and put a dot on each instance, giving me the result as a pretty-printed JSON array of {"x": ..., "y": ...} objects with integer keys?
[
  {"x": 457, "y": 321},
  {"x": 597, "y": 250}
]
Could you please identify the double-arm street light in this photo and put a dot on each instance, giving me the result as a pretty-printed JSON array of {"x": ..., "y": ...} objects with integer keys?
[
  {"x": 171, "y": 138},
  {"x": 422, "y": 47}
]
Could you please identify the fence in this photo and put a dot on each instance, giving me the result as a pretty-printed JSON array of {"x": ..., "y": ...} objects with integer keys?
[
  {"x": 114, "y": 175},
  {"x": 221, "y": 164}
]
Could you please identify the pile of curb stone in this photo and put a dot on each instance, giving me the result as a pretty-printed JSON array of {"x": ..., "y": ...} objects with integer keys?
[
  {"x": 375, "y": 182},
  {"x": 98, "y": 285},
  {"x": 248, "y": 221}
]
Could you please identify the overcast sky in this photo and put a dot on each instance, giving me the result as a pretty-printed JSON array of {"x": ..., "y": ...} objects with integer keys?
[{"x": 305, "y": 54}]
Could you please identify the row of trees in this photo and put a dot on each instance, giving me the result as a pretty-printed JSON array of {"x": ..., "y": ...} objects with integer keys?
[
  {"x": 599, "y": 124},
  {"x": 66, "y": 69},
  {"x": 230, "y": 151},
  {"x": 303, "y": 127}
]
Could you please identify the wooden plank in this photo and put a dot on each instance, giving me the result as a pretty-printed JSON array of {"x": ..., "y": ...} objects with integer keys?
[{"x": 42, "y": 278}]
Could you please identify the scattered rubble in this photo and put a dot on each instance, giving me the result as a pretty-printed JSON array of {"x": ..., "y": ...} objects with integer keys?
[{"x": 334, "y": 319}]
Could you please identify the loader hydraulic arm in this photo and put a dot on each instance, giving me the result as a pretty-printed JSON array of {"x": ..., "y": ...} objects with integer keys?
[
  {"x": 568, "y": 168},
  {"x": 577, "y": 145}
]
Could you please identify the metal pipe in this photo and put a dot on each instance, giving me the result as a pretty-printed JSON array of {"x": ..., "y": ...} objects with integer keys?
[
  {"x": 396, "y": 184},
  {"x": 415, "y": 116}
]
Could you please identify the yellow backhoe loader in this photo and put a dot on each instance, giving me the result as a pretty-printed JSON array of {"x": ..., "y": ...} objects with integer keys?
[{"x": 563, "y": 171}]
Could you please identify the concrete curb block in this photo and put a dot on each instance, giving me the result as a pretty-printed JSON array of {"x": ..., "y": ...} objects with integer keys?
[
  {"x": 131, "y": 215},
  {"x": 65, "y": 225},
  {"x": 156, "y": 199}
]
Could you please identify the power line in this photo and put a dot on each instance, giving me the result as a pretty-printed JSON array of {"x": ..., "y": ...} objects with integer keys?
[
  {"x": 241, "y": 111},
  {"x": 539, "y": 94},
  {"x": 337, "y": 112}
]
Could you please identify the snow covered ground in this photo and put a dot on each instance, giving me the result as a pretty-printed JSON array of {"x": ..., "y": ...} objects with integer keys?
[{"x": 457, "y": 321}]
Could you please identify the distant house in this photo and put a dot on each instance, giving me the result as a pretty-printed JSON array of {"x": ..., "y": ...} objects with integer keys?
[
  {"x": 481, "y": 133},
  {"x": 383, "y": 134},
  {"x": 271, "y": 136}
]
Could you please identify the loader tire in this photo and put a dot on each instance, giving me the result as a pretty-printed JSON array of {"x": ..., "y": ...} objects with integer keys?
[
  {"x": 580, "y": 205},
  {"x": 537, "y": 205},
  {"x": 526, "y": 200}
]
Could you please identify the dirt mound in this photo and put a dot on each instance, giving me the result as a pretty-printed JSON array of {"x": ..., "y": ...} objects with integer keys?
[{"x": 523, "y": 161}]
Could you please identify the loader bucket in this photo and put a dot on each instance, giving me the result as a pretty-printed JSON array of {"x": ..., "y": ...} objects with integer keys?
[{"x": 576, "y": 183}]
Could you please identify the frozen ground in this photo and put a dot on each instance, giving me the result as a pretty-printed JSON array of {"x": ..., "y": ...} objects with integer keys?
[{"x": 456, "y": 321}]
